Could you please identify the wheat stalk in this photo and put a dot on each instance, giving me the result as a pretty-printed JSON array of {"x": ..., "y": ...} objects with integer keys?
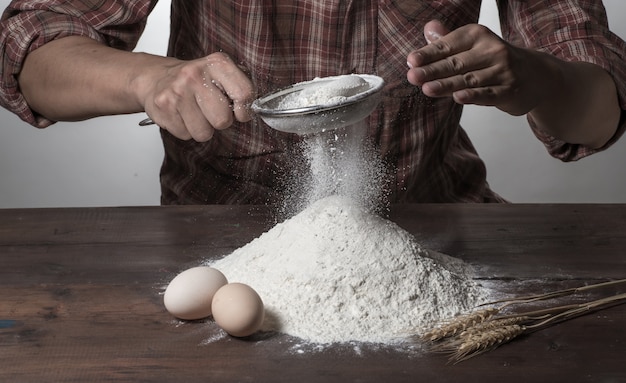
[
  {"x": 472, "y": 334},
  {"x": 553, "y": 294},
  {"x": 459, "y": 324},
  {"x": 477, "y": 342}
]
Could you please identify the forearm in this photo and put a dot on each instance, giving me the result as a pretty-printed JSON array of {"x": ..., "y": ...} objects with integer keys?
[
  {"x": 76, "y": 78},
  {"x": 580, "y": 104}
]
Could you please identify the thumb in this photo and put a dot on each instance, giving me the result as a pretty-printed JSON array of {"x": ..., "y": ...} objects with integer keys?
[{"x": 433, "y": 30}]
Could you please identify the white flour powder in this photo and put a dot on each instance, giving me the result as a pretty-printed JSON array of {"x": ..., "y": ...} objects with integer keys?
[
  {"x": 327, "y": 93},
  {"x": 337, "y": 273}
]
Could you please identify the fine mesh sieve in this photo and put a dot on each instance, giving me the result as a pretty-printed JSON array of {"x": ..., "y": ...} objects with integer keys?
[{"x": 318, "y": 118}]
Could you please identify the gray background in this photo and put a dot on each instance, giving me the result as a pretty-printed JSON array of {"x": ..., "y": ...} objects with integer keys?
[{"x": 110, "y": 161}]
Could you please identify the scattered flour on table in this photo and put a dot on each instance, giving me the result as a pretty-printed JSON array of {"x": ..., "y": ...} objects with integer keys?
[
  {"x": 336, "y": 272},
  {"x": 327, "y": 93}
]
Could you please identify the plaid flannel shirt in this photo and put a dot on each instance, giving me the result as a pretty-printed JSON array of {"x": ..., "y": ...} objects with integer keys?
[{"x": 283, "y": 42}]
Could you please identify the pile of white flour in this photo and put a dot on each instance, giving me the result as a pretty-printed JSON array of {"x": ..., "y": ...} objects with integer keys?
[{"x": 337, "y": 273}]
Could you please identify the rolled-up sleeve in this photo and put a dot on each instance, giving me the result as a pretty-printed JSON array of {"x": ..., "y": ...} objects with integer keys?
[
  {"x": 27, "y": 25},
  {"x": 571, "y": 31}
]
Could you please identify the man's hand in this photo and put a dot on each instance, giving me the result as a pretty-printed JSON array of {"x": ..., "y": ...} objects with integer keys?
[
  {"x": 193, "y": 98},
  {"x": 573, "y": 101},
  {"x": 475, "y": 66}
]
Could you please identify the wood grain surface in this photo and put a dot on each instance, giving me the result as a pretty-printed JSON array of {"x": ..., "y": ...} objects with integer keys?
[{"x": 81, "y": 296}]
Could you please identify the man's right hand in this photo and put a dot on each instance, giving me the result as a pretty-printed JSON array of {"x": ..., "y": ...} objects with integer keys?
[{"x": 191, "y": 99}]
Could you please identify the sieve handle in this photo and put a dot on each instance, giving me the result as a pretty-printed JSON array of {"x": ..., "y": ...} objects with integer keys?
[{"x": 146, "y": 122}]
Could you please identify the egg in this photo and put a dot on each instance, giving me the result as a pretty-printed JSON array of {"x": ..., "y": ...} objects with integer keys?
[
  {"x": 190, "y": 294},
  {"x": 238, "y": 309}
]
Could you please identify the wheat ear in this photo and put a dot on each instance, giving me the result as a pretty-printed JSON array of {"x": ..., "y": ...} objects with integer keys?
[
  {"x": 475, "y": 333},
  {"x": 478, "y": 342},
  {"x": 459, "y": 324},
  {"x": 452, "y": 343}
]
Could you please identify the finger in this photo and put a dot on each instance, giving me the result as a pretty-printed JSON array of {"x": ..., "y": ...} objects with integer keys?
[
  {"x": 199, "y": 129},
  {"x": 445, "y": 46},
  {"x": 242, "y": 110},
  {"x": 459, "y": 64},
  {"x": 460, "y": 40},
  {"x": 427, "y": 65},
  {"x": 434, "y": 30},
  {"x": 485, "y": 96},
  {"x": 234, "y": 83},
  {"x": 195, "y": 121},
  {"x": 176, "y": 127},
  {"x": 166, "y": 116},
  {"x": 242, "y": 95},
  {"x": 476, "y": 96},
  {"x": 500, "y": 96},
  {"x": 471, "y": 79},
  {"x": 215, "y": 105},
  {"x": 181, "y": 116},
  {"x": 187, "y": 122}
]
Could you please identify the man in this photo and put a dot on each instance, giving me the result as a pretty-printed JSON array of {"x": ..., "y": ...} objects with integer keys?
[{"x": 559, "y": 65}]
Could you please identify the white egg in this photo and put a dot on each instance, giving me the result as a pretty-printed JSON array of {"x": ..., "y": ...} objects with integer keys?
[
  {"x": 190, "y": 294},
  {"x": 238, "y": 309}
]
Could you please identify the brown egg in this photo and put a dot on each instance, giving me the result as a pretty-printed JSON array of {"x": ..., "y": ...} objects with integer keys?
[
  {"x": 238, "y": 309},
  {"x": 190, "y": 293}
]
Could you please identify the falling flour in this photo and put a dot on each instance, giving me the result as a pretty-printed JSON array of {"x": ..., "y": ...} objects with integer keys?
[
  {"x": 335, "y": 272},
  {"x": 341, "y": 162}
]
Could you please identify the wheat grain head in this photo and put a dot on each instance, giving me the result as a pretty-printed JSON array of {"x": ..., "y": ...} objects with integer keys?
[{"x": 459, "y": 324}]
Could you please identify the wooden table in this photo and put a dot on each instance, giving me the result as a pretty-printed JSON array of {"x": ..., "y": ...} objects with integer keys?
[{"x": 82, "y": 296}]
